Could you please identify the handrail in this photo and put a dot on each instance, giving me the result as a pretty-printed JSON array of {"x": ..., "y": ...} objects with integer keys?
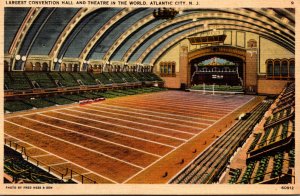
[{"x": 50, "y": 169}]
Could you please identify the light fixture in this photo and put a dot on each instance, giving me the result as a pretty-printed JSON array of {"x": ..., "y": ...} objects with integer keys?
[
  {"x": 18, "y": 57},
  {"x": 165, "y": 13},
  {"x": 55, "y": 60},
  {"x": 24, "y": 58},
  {"x": 59, "y": 61}
]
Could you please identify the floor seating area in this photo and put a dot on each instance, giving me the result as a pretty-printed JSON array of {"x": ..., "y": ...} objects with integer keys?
[
  {"x": 30, "y": 103},
  {"x": 42, "y": 79},
  {"x": 271, "y": 153},
  {"x": 16, "y": 81}
]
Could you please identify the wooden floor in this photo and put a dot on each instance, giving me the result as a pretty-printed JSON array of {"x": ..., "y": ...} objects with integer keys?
[{"x": 123, "y": 139}]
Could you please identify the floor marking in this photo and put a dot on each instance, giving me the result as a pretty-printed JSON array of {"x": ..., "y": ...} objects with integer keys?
[
  {"x": 138, "y": 117},
  {"x": 107, "y": 106},
  {"x": 143, "y": 110},
  {"x": 169, "y": 129},
  {"x": 184, "y": 143},
  {"x": 65, "y": 160},
  {"x": 170, "y": 111},
  {"x": 94, "y": 137},
  {"x": 121, "y": 126},
  {"x": 194, "y": 99},
  {"x": 88, "y": 149},
  {"x": 56, "y": 164},
  {"x": 105, "y": 130},
  {"x": 180, "y": 102},
  {"x": 171, "y": 107},
  {"x": 42, "y": 155}
]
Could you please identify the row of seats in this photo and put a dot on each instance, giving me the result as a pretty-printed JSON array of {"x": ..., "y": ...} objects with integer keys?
[
  {"x": 29, "y": 80},
  {"x": 266, "y": 168},
  {"x": 22, "y": 171},
  {"x": 26, "y": 104},
  {"x": 267, "y": 160},
  {"x": 279, "y": 115},
  {"x": 255, "y": 141}
]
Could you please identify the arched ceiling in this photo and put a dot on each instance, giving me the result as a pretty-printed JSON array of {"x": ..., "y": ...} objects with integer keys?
[{"x": 130, "y": 34}]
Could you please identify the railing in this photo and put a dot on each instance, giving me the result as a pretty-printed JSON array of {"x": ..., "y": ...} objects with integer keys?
[{"x": 46, "y": 167}]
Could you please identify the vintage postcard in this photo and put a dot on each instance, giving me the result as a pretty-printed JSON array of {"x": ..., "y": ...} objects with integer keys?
[{"x": 149, "y": 97}]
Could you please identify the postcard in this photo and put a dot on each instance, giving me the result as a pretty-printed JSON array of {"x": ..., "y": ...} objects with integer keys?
[{"x": 149, "y": 97}]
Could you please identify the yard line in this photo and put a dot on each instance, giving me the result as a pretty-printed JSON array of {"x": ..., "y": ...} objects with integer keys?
[
  {"x": 185, "y": 143},
  {"x": 169, "y": 114},
  {"x": 56, "y": 138},
  {"x": 169, "y": 129},
  {"x": 178, "y": 99},
  {"x": 105, "y": 130},
  {"x": 42, "y": 155},
  {"x": 107, "y": 106},
  {"x": 138, "y": 117},
  {"x": 120, "y": 126},
  {"x": 65, "y": 160},
  {"x": 179, "y": 108},
  {"x": 182, "y": 104},
  {"x": 55, "y": 164},
  {"x": 96, "y": 138},
  {"x": 20, "y": 115}
]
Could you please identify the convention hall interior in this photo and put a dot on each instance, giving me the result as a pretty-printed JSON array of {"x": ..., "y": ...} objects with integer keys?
[{"x": 149, "y": 95}]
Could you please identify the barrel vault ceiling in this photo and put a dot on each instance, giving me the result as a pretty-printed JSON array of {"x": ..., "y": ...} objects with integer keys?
[{"x": 130, "y": 35}]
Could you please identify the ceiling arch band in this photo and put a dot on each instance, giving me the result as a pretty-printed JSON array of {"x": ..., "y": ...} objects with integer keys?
[
  {"x": 159, "y": 53},
  {"x": 222, "y": 22},
  {"x": 274, "y": 24}
]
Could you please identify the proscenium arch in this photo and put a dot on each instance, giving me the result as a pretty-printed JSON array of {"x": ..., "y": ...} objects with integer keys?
[
  {"x": 237, "y": 57},
  {"x": 217, "y": 50},
  {"x": 221, "y": 51}
]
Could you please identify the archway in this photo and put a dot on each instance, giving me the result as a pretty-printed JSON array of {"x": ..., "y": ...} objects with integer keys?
[
  {"x": 37, "y": 66},
  {"x": 44, "y": 66},
  {"x": 63, "y": 67},
  {"x": 69, "y": 68},
  {"x": 28, "y": 66},
  {"x": 217, "y": 69},
  {"x": 76, "y": 68},
  {"x": 246, "y": 59}
]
